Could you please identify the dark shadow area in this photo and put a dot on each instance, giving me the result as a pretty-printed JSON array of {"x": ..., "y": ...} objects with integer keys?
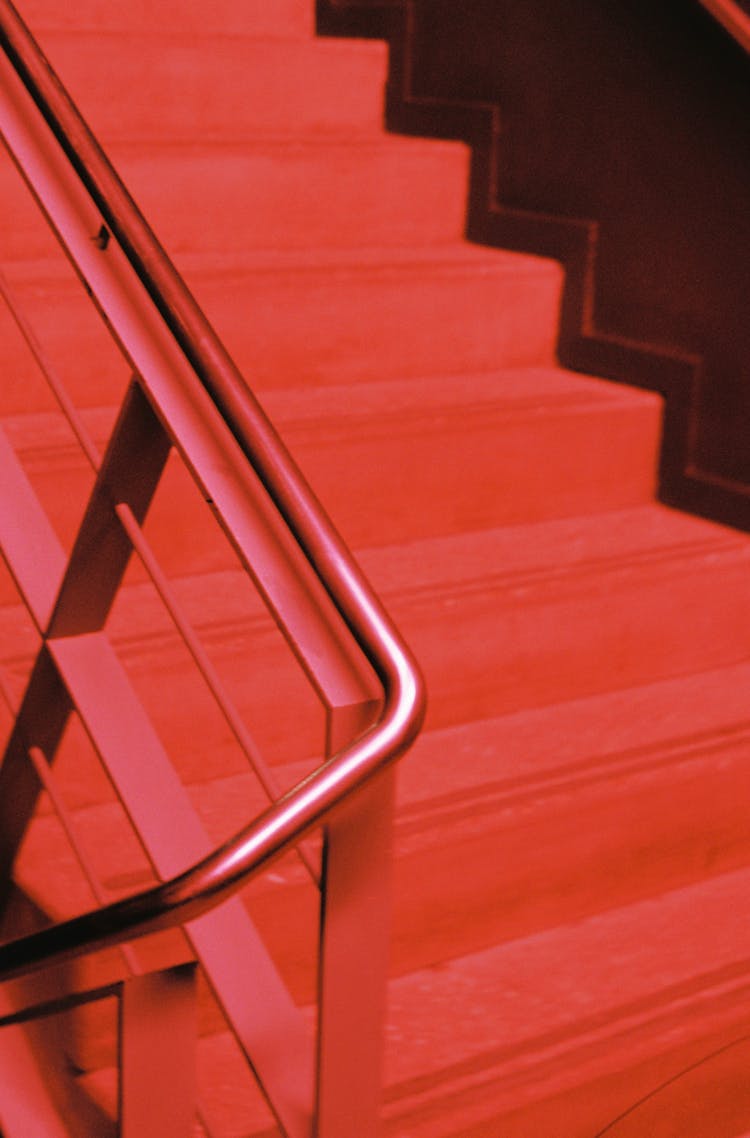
[
  {"x": 613, "y": 137},
  {"x": 52, "y": 1037}
]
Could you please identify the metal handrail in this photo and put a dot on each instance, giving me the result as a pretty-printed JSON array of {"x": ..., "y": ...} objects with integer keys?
[
  {"x": 732, "y": 16},
  {"x": 283, "y": 824}
]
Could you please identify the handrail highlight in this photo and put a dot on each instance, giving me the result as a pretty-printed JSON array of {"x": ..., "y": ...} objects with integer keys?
[
  {"x": 732, "y": 16},
  {"x": 222, "y": 873}
]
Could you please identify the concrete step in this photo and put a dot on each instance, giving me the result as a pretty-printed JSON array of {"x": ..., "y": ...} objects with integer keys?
[
  {"x": 567, "y": 810},
  {"x": 131, "y": 85},
  {"x": 554, "y": 1034},
  {"x": 398, "y": 461},
  {"x": 448, "y": 454},
  {"x": 307, "y": 192},
  {"x": 557, "y": 1034},
  {"x": 310, "y": 318},
  {"x": 284, "y": 18},
  {"x": 562, "y": 812},
  {"x": 498, "y": 618},
  {"x": 523, "y": 616}
]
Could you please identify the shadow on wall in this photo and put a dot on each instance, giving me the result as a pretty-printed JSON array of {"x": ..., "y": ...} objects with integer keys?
[{"x": 616, "y": 137}]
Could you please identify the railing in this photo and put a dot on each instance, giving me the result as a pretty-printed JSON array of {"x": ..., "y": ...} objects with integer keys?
[
  {"x": 733, "y": 16},
  {"x": 186, "y": 392}
]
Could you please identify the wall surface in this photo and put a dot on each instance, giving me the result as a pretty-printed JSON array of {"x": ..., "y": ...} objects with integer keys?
[{"x": 620, "y": 144}]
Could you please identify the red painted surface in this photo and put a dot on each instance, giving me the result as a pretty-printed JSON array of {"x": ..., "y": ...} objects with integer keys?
[{"x": 571, "y": 846}]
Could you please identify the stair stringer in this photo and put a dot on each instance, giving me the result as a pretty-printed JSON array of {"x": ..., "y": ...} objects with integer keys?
[{"x": 677, "y": 371}]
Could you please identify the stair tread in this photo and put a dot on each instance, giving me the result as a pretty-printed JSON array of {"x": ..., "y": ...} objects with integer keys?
[
  {"x": 317, "y": 316},
  {"x": 284, "y": 19},
  {"x": 627, "y": 972},
  {"x": 295, "y": 189},
  {"x": 552, "y": 1012},
  {"x": 613, "y": 541},
  {"x": 563, "y": 740},
  {"x": 691, "y": 942},
  {"x": 165, "y": 83},
  {"x": 517, "y": 559},
  {"x": 357, "y": 142},
  {"x": 451, "y": 256},
  {"x": 520, "y": 391},
  {"x": 552, "y": 749}
]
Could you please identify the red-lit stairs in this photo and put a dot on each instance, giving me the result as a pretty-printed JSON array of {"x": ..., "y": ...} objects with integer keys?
[{"x": 572, "y": 843}]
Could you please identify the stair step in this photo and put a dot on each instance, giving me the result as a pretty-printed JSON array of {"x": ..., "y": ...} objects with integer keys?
[
  {"x": 578, "y": 1022},
  {"x": 533, "y": 801},
  {"x": 232, "y": 196},
  {"x": 313, "y": 318},
  {"x": 381, "y": 313},
  {"x": 527, "y": 615},
  {"x": 569, "y": 809},
  {"x": 284, "y": 18},
  {"x": 168, "y": 86},
  {"x": 496, "y": 617},
  {"x": 448, "y": 454},
  {"x": 574, "y": 1023},
  {"x": 587, "y": 668},
  {"x": 398, "y": 461}
]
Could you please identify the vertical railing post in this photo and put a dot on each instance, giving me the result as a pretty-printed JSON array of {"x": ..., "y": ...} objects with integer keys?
[
  {"x": 355, "y": 934},
  {"x": 158, "y": 1054}
]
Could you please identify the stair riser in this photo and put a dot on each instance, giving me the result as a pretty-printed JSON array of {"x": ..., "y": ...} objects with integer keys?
[
  {"x": 253, "y": 17},
  {"x": 338, "y": 326},
  {"x": 289, "y": 328},
  {"x": 162, "y": 89},
  {"x": 423, "y": 475},
  {"x": 308, "y": 197}
]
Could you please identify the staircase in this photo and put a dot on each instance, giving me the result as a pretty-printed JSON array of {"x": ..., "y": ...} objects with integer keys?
[{"x": 571, "y": 848}]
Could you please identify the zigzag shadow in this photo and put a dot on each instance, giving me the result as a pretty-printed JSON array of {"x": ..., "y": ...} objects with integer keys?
[{"x": 703, "y": 464}]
